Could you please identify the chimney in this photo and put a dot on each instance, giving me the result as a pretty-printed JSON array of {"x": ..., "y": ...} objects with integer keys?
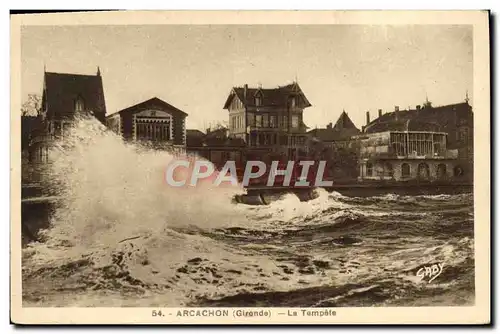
[
  {"x": 367, "y": 117},
  {"x": 245, "y": 88},
  {"x": 380, "y": 113},
  {"x": 418, "y": 107},
  {"x": 396, "y": 108},
  {"x": 329, "y": 125}
]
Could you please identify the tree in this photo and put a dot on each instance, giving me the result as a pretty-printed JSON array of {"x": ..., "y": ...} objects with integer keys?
[{"x": 32, "y": 106}]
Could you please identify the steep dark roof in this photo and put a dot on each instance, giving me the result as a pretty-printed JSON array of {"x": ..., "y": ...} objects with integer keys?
[
  {"x": 424, "y": 119},
  {"x": 344, "y": 123},
  {"x": 344, "y": 128},
  {"x": 151, "y": 103},
  {"x": 270, "y": 96},
  {"x": 61, "y": 90}
]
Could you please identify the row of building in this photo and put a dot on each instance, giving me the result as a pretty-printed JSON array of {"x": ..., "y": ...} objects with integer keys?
[{"x": 267, "y": 123}]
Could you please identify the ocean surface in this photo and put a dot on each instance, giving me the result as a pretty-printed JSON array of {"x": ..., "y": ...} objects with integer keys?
[{"x": 122, "y": 237}]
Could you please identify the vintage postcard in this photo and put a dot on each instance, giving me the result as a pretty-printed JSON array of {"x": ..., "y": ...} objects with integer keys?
[{"x": 232, "y": 167}]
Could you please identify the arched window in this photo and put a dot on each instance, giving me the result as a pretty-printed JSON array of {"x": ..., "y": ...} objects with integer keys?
[
  {"x": 441, "y": 171},
  {"x": 369, "y": 169},
  {"x": 79, "y": 105},
  {"x": 423, "y": 171},
  {"x": 405, "y": 170}
]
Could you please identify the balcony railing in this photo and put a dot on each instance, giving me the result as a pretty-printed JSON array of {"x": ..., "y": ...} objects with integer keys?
[{"x": 448, "y": 154}]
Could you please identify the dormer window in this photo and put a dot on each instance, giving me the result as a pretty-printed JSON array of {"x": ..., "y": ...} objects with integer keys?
[
  {"x": 79, "y": 105},
  {"x": 258, "y": 101},
  {"x": 293, "y": 102}
]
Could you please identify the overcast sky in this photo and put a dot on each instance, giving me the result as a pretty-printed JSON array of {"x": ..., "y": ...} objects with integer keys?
[{"x": 351, "y": 67}]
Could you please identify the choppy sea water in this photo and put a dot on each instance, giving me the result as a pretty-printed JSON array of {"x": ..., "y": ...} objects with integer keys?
[{"x": 122, "y": 238}]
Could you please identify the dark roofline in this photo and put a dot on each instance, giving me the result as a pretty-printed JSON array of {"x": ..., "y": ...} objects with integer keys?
[
  {"x": 231, "y": 95},
  {"x": 403, "y": 111},
  {"x": 148, "y": 101},
  {"x": 262, "y": 90},
  {"x": 74, "y": 74}
]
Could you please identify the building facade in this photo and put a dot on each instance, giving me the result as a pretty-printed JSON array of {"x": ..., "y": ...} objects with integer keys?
[
  {"x": 153, "y": 123},
  {"x": 423, "y": 143},
  {"x": 268, "y": 119},
  {"x": 64, "y": 96},
  {"x": 456, "y": 120},
  {"x": 407, "y": 155}
]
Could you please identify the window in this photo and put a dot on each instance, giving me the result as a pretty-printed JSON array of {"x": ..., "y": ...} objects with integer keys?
[
  {"x": 272, "y": 121},
  {"x": 267, "y": 139},
  {"x": 261, "y": 139},
  {"x": 441, "y": 171},
  {"x": 285, "y": 122},
  {"x": 250, "y": 119},
  {"x": 369, "y": 169},
  {"x": 420, "y": 144},
  {"x": 258, "y": 121},
  {"x": 79, "y": 105},
  {"x": 153, "y": 131},
  {"x": 295, "y": 121},
  {"x": 57, "y": 128},
  {"x": 464, "y": 135},
  {"x": 265, "y": 120},
  {"x": 437, "y": 148},
  {"x": 423, "y": 171},
  {"x": 258, "y": 101},
  {"x": 405, "y": 170},
  {"x": 293, "y": 102}
]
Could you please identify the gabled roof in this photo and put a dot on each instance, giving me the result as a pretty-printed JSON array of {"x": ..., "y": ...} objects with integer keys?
[
  {"x": 61, "y": 90},
  {"x": 270, "y": 96},
  {"x": 344, "y": 123},
  {"x": 151, "y": 103},
  {"x": 427, "y": 118}
]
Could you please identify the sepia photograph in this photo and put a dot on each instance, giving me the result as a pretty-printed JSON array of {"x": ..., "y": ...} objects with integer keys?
[{"x": 211, "y": 169}]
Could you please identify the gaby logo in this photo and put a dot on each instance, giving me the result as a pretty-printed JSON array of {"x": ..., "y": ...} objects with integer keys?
[{"x": 180, "y": 173}]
